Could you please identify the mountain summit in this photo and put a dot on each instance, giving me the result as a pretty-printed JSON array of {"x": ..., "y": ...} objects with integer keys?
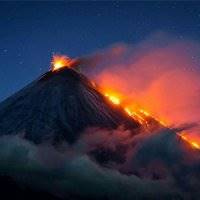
[{"x": 58, "y": 106}]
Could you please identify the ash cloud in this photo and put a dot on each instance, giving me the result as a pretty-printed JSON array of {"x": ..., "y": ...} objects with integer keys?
[{"x": 160, "y": 74}]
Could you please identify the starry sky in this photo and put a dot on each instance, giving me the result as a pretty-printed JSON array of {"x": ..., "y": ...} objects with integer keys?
[{"x": 31, "y": 31}]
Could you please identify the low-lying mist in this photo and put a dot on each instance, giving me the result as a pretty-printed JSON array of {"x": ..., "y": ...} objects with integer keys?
[{"x": 154, "y": 166}]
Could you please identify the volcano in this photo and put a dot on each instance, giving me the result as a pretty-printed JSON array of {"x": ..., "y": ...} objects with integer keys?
[
  {"x": 58, "y": 106},
  {"x": 119, "y": 148}
]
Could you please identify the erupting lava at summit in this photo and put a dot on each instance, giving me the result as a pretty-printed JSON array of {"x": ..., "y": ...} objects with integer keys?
[{"x": 61, "y": 61}]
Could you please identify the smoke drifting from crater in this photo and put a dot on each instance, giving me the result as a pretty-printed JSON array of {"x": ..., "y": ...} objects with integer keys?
[{"x": 160, "y": 74}]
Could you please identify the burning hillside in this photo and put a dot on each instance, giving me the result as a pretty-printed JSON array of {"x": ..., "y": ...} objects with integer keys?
[{"x": 138, "y": 114}]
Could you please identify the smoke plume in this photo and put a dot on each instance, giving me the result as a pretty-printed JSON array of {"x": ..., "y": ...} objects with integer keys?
[{"x": 160, "y": 74}]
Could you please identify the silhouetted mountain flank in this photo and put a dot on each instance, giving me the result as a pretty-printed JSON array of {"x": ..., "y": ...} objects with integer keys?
[{"x": 58, "y": 106}]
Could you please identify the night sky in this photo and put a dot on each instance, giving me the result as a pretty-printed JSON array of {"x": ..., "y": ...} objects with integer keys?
[{"x": 31, "y": 31}]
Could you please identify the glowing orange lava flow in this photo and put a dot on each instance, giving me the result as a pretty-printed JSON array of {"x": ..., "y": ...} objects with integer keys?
[
  {"x": 113, "y": 99},
  {"x": 61, "y": 61},
  {"x": 191, "y": 142},
  {"x": 142, "y": 116}
]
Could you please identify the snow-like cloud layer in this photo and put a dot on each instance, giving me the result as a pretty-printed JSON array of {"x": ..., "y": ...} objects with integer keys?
[{"x": 156, "y": 166}]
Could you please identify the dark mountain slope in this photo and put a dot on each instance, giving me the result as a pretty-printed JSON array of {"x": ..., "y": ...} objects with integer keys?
[{"x": 58, "y": 106}]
